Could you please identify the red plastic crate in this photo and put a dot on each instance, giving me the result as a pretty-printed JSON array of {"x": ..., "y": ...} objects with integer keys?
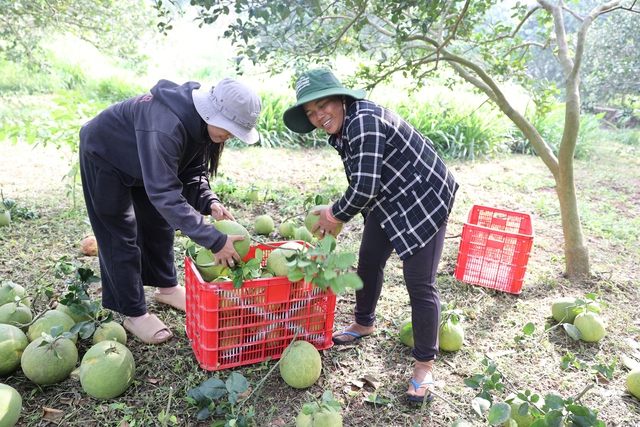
[
  {"x": 230, "y": 327},
  {"x": 494, "y": 248}
]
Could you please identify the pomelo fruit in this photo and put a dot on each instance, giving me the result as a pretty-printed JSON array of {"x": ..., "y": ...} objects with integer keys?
[
  {"x": 450, "y": 336},
  {"x": 461, "y": 423},
  {"x": 15, "y": 314},
  {"x": 252, "y": 195},
  {"x": 10, "y": 405},
  {"x": 209, "y": 272},
  {"x": 633, "y": 382},
  {"x": 406, "y": 332},
  {"x": 232, "y": 228},
  {"x": 76, "y": 317},
  {"x": 564, "y": 309},
  {"x": 51, "y": 363},
  {"x": 311, "y": 219},
  {"x": 107, "y": 370},
  {"x": 287, "y": 229},
  {"x": 9, "y": 291},
  {"x": 263, "y": 224},
  {"x": 321, "y": 418},
  {"x": 303, "y": 234},
  {"x": 5, "y": 217},
  {"x": 590, "y": 326},
  {"x": 89, "y": 246},
  {"x": 110, "y": 331},
  {"x": 277, "y": 259},
  {"x": 47, "y": 321},
  {"x": 12, "y": 343},
  {"x": 521, "y": 420},
  {"x": 300, "y": 365}
]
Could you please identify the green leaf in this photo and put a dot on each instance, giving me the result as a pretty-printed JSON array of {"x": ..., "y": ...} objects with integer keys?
[
  {"x": 295, "y": 275},
  {"x": 499, "y": 413},
  {"x": 213, "y": 388},
  {"x": 237, "y": 383},
  {"x": 572, "y": 331},
  {"x": 480, "y": 405},
  {"x": 529, "y": 328}
]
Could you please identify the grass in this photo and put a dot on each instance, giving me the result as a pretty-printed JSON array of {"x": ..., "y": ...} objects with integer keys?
[{"x": 607, "y": 189}]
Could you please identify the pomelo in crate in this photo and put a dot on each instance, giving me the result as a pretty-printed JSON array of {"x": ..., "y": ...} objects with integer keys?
[
  {"x": 10, "y": 406},
  {"x": 277, "y": 259},
  {"x": 300, "y": 365}
]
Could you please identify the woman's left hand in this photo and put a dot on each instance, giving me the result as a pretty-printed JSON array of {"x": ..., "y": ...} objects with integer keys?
[
  {"x": 219, "y": 212},
  {"x": 324, "y": 226}
]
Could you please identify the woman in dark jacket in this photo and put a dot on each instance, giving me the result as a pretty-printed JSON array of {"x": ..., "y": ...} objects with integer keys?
[
  {"x": 405, "y": 192},
  {"x": 145, "y": 164}
]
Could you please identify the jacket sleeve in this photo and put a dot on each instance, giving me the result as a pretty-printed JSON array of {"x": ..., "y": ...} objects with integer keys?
[{"x": 196, "y": 187}]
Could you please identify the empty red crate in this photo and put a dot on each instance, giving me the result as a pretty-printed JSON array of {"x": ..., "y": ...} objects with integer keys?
[
  {"x": 231, "y": 327},
  {"x": 494, "y": 248}
]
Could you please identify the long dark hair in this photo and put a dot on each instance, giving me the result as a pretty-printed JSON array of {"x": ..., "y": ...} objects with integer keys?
[{"x": 212, "y": 151}]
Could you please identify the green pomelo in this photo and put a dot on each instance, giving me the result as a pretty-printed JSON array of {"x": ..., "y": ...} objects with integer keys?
[
  {"x": 252, "y": 195},
  {"x": 9, "y": 291},
  {"x": 406, "y": 332},
  {"x": 209, "y": 272},
  {"x": 107, "y": 370},
  {"x": 521, "y": 420},
  {"x": 277, "y": 259},
  {"x": 461, "y": 423},
  {"x": 590, "y": 326},
  {"x": 287, "y": 229},
  {"x": 232, "y": 228},
  {"x": 311, "y": 219},
  {"x": 15, "y": 315},
  {"x": 12, "y": 343},
  {"x": 10, "y": 405},
  {"x": 5, "y": 217},
  {"x": 110, "y": 331},
  {"x": 565, "y": 310},
  {"x": 300, "y": 365},
  {"x": 77, "y": 318},
  {"x": 263, "y": 224},
  {"x": 633, "y": 382},
  {"x": 450, "y": 336},
  {"x": 322, "y": 418},
  {"x": 303, "y": 234},
  {"x": 47, "y": 321},
  {"x": 50, "y": 363}
]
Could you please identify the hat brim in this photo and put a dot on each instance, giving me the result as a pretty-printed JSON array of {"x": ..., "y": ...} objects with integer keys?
[
  {"x": 203, "y": 106},
  {"x": 295, "y": 117}
]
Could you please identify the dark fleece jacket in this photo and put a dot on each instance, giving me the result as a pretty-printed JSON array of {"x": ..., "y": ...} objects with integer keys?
[{"x": 156, "y": 141}]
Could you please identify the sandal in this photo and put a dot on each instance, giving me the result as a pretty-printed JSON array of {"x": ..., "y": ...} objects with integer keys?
[
  {"x": 428, "y": 386},
  {"x": 177, "y": 299},
  {"x": 355, "y": 336},
  {"x": 147, "y": 329}
]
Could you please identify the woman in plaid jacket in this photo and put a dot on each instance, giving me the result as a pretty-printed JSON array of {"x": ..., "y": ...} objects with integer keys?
[{"x": 405, "y": 193}]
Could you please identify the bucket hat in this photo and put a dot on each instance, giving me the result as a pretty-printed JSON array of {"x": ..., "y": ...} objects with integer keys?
[
  {"x": 311, "y": 85},
  {"x": 232, "y": 106}
]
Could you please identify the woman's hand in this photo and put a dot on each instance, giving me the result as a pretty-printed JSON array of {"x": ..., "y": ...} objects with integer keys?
[
  {"x": 324, "y": 225},
  {"x": 228, "y": 256},
  {"x": 219, "y": 212}
]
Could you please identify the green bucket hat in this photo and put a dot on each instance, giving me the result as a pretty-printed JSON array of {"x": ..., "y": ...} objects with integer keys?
[{"x": 311, "y": 85}]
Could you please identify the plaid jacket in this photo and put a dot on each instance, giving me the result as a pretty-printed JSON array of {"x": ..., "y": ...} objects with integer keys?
[{"x": 394, "y": 173}]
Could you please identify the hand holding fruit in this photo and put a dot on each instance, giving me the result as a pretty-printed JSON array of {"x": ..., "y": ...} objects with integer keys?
[
  {"x": 324, "y": 225},
  {"x": 228, "y": 256},
  {"x": 219, "y": 212}
]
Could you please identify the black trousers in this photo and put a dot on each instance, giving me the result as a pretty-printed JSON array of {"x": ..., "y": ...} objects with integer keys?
[
  {"x": 135, "y": 243},
  {"x": 419, "y": 271}
]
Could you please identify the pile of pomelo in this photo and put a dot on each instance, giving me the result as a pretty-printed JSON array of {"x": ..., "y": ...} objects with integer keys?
[
  {"x": 584, "y": 315},
  {"x": 44, "y": 347}
]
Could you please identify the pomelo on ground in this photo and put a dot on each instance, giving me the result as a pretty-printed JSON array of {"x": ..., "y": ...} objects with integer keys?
[
  {"x": 232, "y": 228},
  {"x": 311, "y": 219},
  {"x": 277, "y": 259},
  {"x": 89, "y": 246},
  {"x": 321, "y": 418},
  {"x": 263, "y": 224},
  {"x": 633, "y": 382},
  {"x": 450, "y": 336},
  {"x": 47, "y": 321},
  {"x": 110, "y": 331},
  {"x": 406, "y": 332},
  {"x": 12, "y": 343},
  {"x": 564, "y": 309},
  {"x": 287, "y": 229},
  {"x": 15, "y": 314},
  {"x": 209, "y": 272},
  {"x": 590, "y": 326},
  {"x": 300, "y": 365},
  {"x": 76, "y": 317},
  {"x": 5, "y": 217},
  {"x": 51, "y": 363},
  {"x": 9, "y": 291},
  {"x": 10, "y": 406},
  {"x": 303, "y": 234},
  {"x": 107, "y": 370}
]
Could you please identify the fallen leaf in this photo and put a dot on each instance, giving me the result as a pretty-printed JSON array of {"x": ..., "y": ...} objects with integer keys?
[
  {"x": 52, "y": 415},
  {"x": 357, "y": 383},
  {"x": 153, "y": 380},
  {"x": 371, "y": 380}
]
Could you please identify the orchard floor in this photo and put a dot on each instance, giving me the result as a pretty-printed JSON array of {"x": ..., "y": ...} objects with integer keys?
[{"x": 608, "y": 189}]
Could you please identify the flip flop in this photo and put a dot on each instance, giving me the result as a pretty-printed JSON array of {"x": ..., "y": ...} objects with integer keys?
[
  {"x": 427, "y": 397},
  {"x": 345, "y": 332},
  {"x": 178, "y": 299},
  {"x": 146, "y": 330}
]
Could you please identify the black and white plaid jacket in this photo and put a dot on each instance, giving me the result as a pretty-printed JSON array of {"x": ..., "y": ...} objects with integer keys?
[{"x": 394, "y": 173}]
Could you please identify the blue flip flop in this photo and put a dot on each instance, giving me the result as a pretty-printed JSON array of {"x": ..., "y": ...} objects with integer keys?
[
  {"x": 345, "y": 332},
  {"x": 428, "y": 398}
]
